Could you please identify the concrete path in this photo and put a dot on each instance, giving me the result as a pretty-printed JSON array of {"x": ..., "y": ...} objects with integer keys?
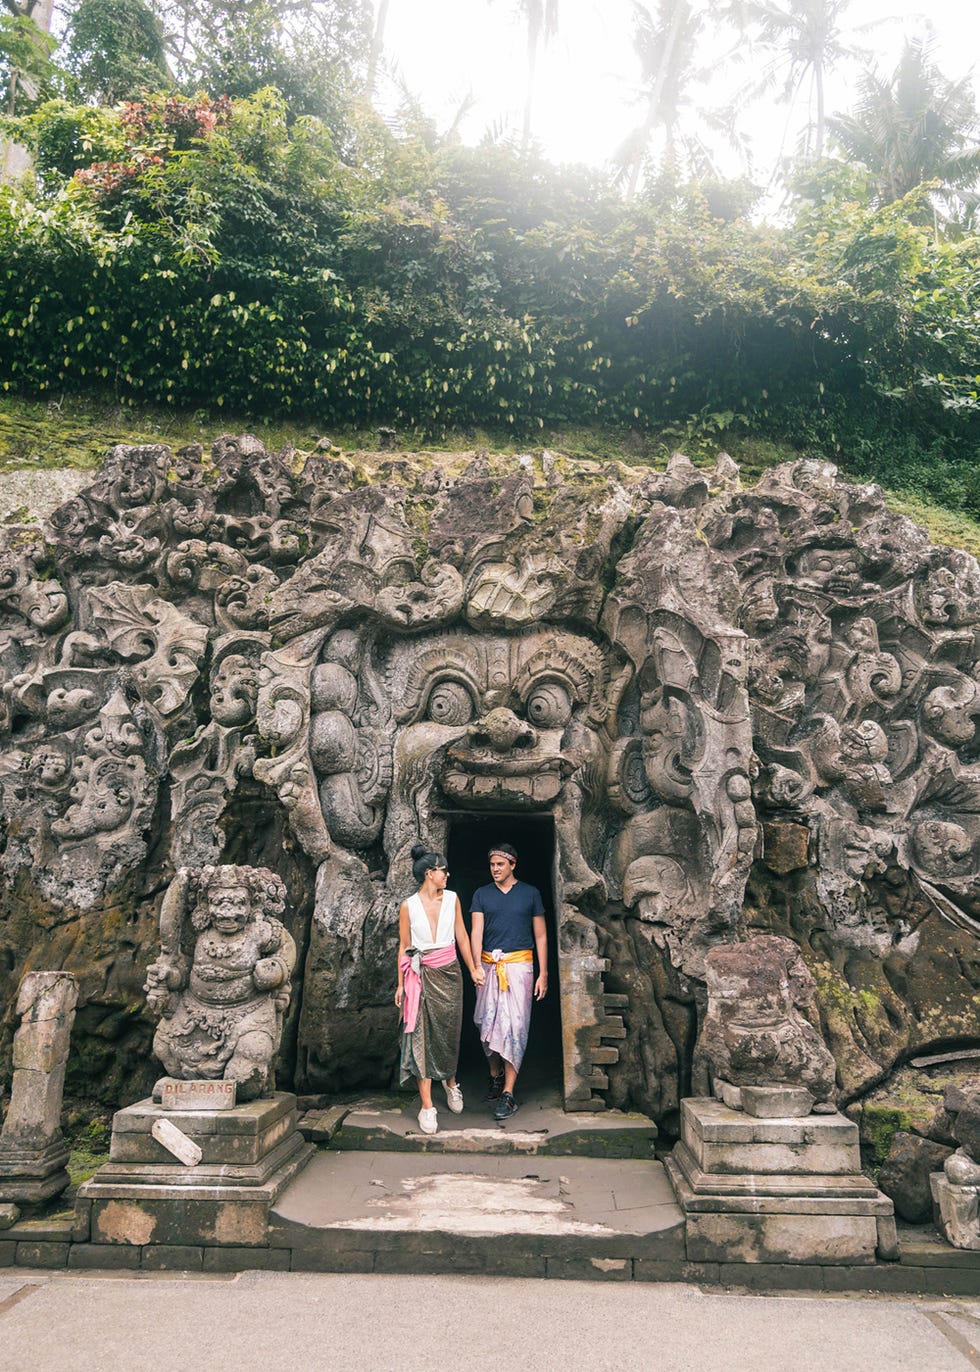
[{"x": 264, "y": 1322}]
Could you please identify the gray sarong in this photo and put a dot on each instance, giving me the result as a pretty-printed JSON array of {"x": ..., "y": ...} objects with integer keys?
[{"x": 432, "y": 1048}]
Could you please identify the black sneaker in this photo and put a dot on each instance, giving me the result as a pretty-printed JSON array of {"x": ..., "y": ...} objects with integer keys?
[
  {"x": 495, "y": 1087},
  {"x": 505, "y": 1107}
]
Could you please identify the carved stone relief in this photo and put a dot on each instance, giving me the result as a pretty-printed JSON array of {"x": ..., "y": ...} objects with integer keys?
[{"x": 743, "y": 711}]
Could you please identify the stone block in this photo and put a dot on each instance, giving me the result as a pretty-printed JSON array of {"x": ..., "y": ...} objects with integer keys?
[
  {"x": 725, "y": 1141},
  {"x": 768, "y": 1238},
  {"x": 647, "y": 1269},
  {"x": 8, "y": 1250},
  {"x": 786, "y": 846},
  {"x": 9, "y": 1214},
  {"x": 776, "y": 1102},
  {"x": 48, "y": 1255},
  {"x": 246, "y": 1259},
  {"x": 958, "y": 1212},
  {"x": 590, "y": 1269},
  {"x": 176, "y": 1257},
  {"x": 33, "y": 1174},
  {"x": 241, "y": 1137},
  {"x": 103, "y": 1256},
  {"x": 196, "y": 1095},
  {"x": 772, "y": 1276},
  {"x": 181, "y": 1216}
]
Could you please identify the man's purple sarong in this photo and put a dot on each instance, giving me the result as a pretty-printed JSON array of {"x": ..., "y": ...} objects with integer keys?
[{"x": 504, "y": 1017}]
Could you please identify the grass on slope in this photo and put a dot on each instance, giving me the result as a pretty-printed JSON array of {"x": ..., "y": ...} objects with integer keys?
[{"x": 76, "y": 432}]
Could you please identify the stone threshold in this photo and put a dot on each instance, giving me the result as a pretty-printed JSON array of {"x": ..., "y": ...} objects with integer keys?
[{"x": 540, "y": 1128}]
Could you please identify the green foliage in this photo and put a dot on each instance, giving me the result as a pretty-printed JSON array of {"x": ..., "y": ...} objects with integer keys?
[
  {"x": 26, "y": 71},
  {"x": 187, "y": 250},
  {"x": 115, "y": 50},
  {"x": 913, "y": 128}
]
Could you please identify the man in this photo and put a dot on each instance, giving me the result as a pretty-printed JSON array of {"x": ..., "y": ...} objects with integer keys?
[{"x": 508, "y": 928}]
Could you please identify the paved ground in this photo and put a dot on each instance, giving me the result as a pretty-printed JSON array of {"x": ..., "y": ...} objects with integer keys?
[
  {"x": 480, "y": 1195},
  {"x": 264, "y": 1322}
]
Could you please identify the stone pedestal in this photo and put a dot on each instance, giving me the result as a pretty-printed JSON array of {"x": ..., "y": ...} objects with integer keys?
[
  {"x": 776, "y": 1190},
  {"x": 143, "y": 1195},
  {"x": 33, "y": 1152}
]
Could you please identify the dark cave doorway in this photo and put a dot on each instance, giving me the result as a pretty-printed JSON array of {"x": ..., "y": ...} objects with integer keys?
[{"x": 468, "y": 843}]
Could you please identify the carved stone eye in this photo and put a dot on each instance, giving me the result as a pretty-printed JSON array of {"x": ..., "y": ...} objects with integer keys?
[
  {"x": 450, "y": 703},
  {"x": 549, "y": 706}
]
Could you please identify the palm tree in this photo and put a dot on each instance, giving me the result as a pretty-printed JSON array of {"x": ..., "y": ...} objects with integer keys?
[
  {"x": 666, "y": 42},
  {"x": 377, "y": 45},
  {"x": 541, "y": 19},
  {"x": 806, "y": 41},
  {"x": 915, "y": 127}
]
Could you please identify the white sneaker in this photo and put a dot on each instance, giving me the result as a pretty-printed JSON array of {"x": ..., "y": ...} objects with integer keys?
[
  {"x": 428, "y": 1120},
  {"x": 454, "y": 1098}
]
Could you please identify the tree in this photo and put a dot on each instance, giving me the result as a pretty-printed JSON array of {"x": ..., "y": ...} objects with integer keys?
[
  {"x": 541, "y": 20},
  {"x": 377, "y": 45},
  {"x": 25, "y": 50},
  {"x": 115, "y": 50},
  {"x": 914, "y": 127},
  {"x": 666, "y": 43},
  {"x": 806, "y": 41},
  {"x": 25, "y": 69},
  {"x": 314, "y": 51}
]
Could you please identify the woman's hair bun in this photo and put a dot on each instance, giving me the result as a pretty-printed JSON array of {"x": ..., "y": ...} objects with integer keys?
[{"x": 418, "y": 850}]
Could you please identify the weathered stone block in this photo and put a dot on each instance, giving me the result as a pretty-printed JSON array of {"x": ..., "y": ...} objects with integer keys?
[
  {"x": 786, "y": 846},
  {"x": 48, "y": 1255},
  {"x": 776, "y": 1102},
  {"x": 811, "y": 1239},
  {"x": 246, "y": 1259},
  {"x": 958, "y": 1212},
  {"x": 724, "y": 1140},
  {"x": 172, "y": 1258},
  {"x": 107, "y": 1256}
]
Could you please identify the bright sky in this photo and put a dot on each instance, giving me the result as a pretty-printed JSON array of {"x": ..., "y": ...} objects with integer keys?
[{"x": 587, "y": 87}]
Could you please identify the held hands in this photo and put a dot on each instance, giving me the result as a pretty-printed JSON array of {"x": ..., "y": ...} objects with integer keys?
[
  {"x": 541, "y": 986},
  {"x": 478, "y": 975}
]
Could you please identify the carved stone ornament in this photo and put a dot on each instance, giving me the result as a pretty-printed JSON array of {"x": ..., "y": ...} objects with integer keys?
[
  {"x": 755, "y": 1032},
  {"x": 717, "y": 712}
]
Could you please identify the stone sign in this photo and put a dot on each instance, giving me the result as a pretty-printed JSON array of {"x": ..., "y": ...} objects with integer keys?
[
  {"x": 185, "y": 1150},
  {"x": 197, "y": 1094}
]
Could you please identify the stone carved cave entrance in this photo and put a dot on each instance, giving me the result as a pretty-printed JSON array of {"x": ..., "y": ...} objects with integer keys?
[
  {"x": 468, "y": 842},
  {"x": 566, "y": 1047}
]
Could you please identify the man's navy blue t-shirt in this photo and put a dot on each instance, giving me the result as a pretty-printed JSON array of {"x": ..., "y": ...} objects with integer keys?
[{"x": 507, "y": 915}]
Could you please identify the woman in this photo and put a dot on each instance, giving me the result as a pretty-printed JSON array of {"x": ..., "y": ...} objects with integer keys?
[{"x": 430, "y": 985}]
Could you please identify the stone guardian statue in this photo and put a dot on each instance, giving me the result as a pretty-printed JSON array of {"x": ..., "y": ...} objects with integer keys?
[{"x": 222, "y": 982}]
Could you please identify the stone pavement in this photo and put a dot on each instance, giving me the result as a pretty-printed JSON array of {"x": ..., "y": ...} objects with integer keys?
[
  {"x": 271, "y": 1322},
  {"x": 512, "y": 1215}
]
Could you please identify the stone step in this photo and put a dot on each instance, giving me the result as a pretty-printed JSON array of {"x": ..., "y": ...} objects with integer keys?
[
  {"x": 541, "y": 1126},
  {"x": 392, "y": 1212}
]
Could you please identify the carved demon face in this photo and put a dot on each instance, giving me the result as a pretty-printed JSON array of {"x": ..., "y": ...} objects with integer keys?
[{"x": 499, "y": 712}]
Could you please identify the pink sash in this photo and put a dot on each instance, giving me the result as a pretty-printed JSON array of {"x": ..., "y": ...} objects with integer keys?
[{"x": 409, "y": 966}]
